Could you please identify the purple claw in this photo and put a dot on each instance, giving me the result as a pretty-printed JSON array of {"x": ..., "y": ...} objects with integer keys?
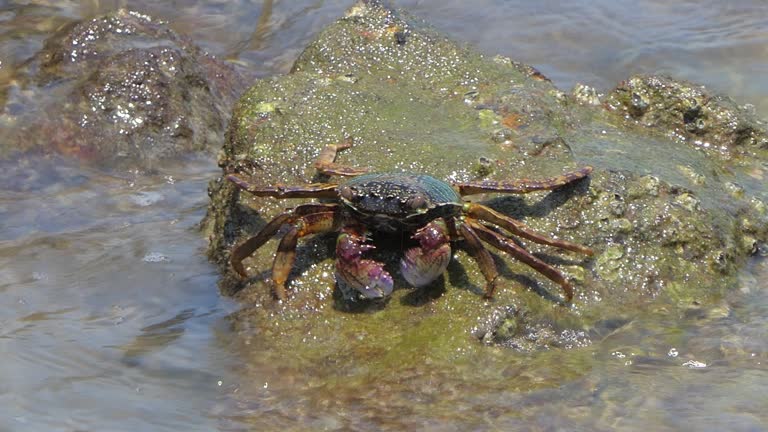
[
  {"x": 365, "y": 276},
  {"x": 369, "y": 278},
  {"x": 423, "y": 264},
  {"x": 350, "y": 246}
]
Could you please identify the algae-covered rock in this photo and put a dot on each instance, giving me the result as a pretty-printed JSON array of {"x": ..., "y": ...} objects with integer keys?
[
  {"x": 414, "y": 101},
  {"x": 689, "y": 113}
]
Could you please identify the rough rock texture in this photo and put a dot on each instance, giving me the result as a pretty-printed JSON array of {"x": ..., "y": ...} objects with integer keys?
[
  {"x": 122, "y": 90},
  {"x": 670, "y": 224},
  {"x": 690, "y": 114}
]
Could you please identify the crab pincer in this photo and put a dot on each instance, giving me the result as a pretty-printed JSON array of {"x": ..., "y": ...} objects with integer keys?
[
  {"x": 427, "y": 261},
  {"x": 365, "y": 276}
]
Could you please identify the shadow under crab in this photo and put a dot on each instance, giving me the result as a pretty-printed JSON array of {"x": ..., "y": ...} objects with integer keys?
[{"x": 430, "y": 210}]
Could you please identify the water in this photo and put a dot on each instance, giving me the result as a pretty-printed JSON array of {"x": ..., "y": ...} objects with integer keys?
[{"x": 110, "y": 318}]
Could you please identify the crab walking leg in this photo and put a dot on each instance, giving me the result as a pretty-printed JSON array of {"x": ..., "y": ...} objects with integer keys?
[
  {"x": 522, "y": 186},
  {"x": 314, "y": 190},
  {"x": 510, "y": 247},
  {"x": 365, "y": 276},
  {"x": 424, "y": 263},
  {"x": 518, "y": 228},
  {"x": 482, "y": 256},
  {"x": 326, "y": 161},
  {"x": 246, "y": 248},
  {"x": 286, "y": 251}
]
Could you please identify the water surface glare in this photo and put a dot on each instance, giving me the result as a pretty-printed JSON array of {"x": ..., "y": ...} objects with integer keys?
[{"x": 110, "y": 317}]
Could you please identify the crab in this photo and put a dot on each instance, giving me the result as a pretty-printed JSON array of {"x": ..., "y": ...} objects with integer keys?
[{"x": 429, "y": 210}]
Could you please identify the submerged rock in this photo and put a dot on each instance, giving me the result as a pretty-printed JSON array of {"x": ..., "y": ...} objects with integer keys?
[
  {"x": 415, "y": 101},
  {"x": 119, "y": 91}
]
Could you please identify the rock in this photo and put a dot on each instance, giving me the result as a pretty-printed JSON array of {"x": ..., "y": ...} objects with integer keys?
[
  {"x": 585, "y": 94},
  {"x": 120, "y": 91},
  {"x": 690, "y": 113},
  {"x": 419, "y": 102}
]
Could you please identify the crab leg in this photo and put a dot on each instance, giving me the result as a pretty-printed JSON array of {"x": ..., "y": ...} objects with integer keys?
[
  {"x": 523, "y": 255},
  {"x": 518, "y": 228},
  {"x": 365, "y": 276},
  {"x": 286, "y": 251},
  {"x": 424, "y": 263},
  {"x": 314, "y": 190},
  {"x": 326, "y": 162},
  {"x": 522, "y": 186},
  {"x": 246, "y": 248},
  {"x": 482, "y": 256}
]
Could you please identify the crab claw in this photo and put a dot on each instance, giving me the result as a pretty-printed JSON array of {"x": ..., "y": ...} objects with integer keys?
[
  {"x": 365, "y": 276},
  {"x": 423, "y": 264}
]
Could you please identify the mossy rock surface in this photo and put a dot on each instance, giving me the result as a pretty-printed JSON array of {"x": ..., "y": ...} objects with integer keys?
[{"x": 670, "y": 223}]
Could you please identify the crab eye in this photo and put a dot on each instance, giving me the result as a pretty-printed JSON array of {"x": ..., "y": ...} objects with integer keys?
[
  {"x": 345, "y": 192},
  {"x": 417, "y": 202}
]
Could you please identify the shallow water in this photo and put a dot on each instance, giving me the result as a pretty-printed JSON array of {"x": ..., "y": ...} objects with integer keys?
[{"x": 110, "y": 317}]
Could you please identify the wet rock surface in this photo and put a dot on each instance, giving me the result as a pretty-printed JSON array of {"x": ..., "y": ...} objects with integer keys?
[
  {"x": 669, "y": 232},
  {"x": 691, "y": 114},
  {"x": 119, "y": 91}
]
